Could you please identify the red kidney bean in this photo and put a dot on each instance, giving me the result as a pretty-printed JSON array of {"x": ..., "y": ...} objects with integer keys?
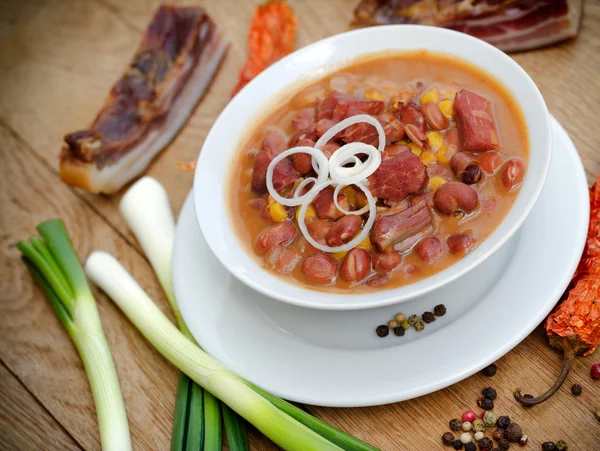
[
  {"x": 377, "y": 280},
  {"x": 283, "y": 260},
  {"x": 319, "y": 268},
  {"x": 275, "y": 235},
  {"x": 318, "y": 228},
  {"x": 454, "y": 197},
  {"x": 451, "y": 137},
  {"x": 393, "y": 150},
  {"x": 303, "y": 161},
  {"x": 343, "y": 230},
  {"x": 329, "y": 148},
  {"x": 512, "y": 173},
  {"x": 386, "y": 261},
  {"x": 434, "y": 116},
  {"x": 260, "y": 205},
  {"x": 460, "y": 161},
  {"x": 356, "y": 265},
  {"x": 429, "y": 249},
  {"x": 415, "y": 135},
  {"x": 274, "y": 142},
  {"x": 461, "y": 243},
  {"x": 490, "y": 161}
]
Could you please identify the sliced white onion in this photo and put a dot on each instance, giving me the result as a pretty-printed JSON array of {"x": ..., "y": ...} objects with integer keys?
[
  {"x": 360, "y": 170},
  {"x": 356, "y": 240},
  {"x": 303, "y": 184},
  {"x": 336, "y": 193},
  {"x": 322, "y": 174}
]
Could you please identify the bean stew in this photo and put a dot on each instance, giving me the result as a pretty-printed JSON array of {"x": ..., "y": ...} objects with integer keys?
[{"x": 454, "y": 157}]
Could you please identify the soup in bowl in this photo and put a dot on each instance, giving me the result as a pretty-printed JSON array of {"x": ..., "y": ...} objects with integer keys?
[{"x": 378, "y": 174}]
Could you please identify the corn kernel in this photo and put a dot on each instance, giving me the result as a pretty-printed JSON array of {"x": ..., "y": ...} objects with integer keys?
[
  {"x": 350, "y": 194},
  {"x": 415, "y": 149},
  {"x": 428, "y": 157},
  {"x": 310, "y": 212},
  {"x": 435, "y": 140},
  {"x": 435, "y": 183},
  {"x": 374, "y": 94},
  {"x": 430, "y": 96},
  {"x": 364, "y": 244},
  {"x": 447, "y": 107},
  {"x": 445, "y": 153},
  {"x": 339, "y": 255},
  {"x": 277, "y": 212}
]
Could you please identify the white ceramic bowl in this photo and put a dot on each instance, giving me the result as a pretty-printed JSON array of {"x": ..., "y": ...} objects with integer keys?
[{"x": 223, "y": 142}]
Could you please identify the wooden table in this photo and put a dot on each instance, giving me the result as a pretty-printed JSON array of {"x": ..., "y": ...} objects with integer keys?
[{"x": 58, "y": 61}]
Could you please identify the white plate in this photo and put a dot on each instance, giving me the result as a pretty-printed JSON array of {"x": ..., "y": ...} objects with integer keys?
[{"x": 333, "y": 358}]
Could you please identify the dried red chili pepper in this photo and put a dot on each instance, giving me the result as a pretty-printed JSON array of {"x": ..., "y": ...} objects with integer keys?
[
  {"x": 272, "y": 36},
  {"x": 574, "y": 326}
]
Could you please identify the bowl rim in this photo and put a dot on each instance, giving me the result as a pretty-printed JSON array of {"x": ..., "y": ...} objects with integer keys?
[{"x": 405, "y": 292}]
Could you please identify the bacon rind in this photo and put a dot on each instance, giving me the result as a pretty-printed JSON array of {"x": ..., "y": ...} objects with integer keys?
[{"x": 148, "y": 106}]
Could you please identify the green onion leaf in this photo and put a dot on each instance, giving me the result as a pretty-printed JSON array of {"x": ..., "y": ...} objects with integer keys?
[
  {"x": 196, "y": 412},
  {"x": 235, "y": 430},
  {"x": 212, "y": 422},
  {"x": 180, "y": 416}
]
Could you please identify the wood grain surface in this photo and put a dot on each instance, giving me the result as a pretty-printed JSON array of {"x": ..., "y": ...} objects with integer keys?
[{"x": 58, "y": 59}]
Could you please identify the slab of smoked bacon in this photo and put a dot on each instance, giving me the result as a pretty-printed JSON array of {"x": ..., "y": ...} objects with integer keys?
[
  {"x": 176, "y": 60},
  {"x": 510, "y": 25}
]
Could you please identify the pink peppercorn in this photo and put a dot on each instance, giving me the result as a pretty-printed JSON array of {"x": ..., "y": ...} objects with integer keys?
[
  {"x": 595, "y": 371},
  {"x": 481, "y": 415},
  {"x": 469, "y": 415}
]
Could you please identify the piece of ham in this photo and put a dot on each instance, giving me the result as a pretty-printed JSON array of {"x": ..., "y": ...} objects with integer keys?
[
  {"x": 335, "y": 106},
  {"x": 398, "y": 176},
  {"x": 511, "y": 25},
  {"x": 177, "y": 58},
  {"x": 391, "y": 229},
  {"x": 475, "y": 122}
]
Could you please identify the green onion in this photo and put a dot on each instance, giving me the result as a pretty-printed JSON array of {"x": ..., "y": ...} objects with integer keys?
[
  {"x": 106, "y": 272},
  {"x": 55, "y": 267},
  {"x": 236, "y": 434},
  {"x": 148, "y": 213}
]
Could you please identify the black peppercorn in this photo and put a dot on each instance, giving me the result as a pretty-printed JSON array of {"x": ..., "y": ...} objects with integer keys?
[
  {"x": 498, "y": 434},
  {"x": 399, "y": 331},
  {"x": 456, "y": 424},
  {"x": 382, "y": 330},
  {"x": 489, "y": 393},
  {"x": 576, "y": 389},
  {"x": 439, "y": 310},
  {"x": 485, "y": 443},
  {"x": 485, "y": 404},
  {"x": 428, "y": 317},
  {"x": 471, "y": 174},
  {"x": 470, "y": 447},
  {"x": 549, "y": 446},
  {"x": 503, "y": 421},
  {"x": 489, "y": 370},
  {"x": 448, "y": 438},
  {"x": 457, "y": 444},
  {"x": 503, "y": 444},
  {"x": 513, "y": 432}
]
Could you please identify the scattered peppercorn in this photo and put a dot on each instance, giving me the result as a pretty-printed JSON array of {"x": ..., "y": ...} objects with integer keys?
[
  {"x": 439, "y": 310},
  {"x": 428, "y": 317},
  {"x": 470, "y": 447},
  {"x": 469, "y": 415},
  {"x": 399, "y": 331},
  {"x": 399, "y": 317},
  {"x": 489, "y": 393},
  {"x": 382, "y": 330},
  {"x": 419, "y": 325},
  {"x": 448, "y": 438},
  {"x": 478, "y": 435},
  {"x": 478, "y": 425},
  {"x": 561, "y": 445},
  {"x": 595, "y": 371},
  {"x": 457, "y": 444},
  {"x": 513, "y": 432},
  {"x": 548, "y": 446},
  {"x": 412, "y": 319},
  {"x": 498, "y": 434},
  {"x": 465, "y": 437},
  {"x": 490, "y": 419},
  {"x": 489, "y": 370},
  {"x": 404, "y": 324},
  {"x": 456, "y": 424},
  {"x": 471, "y": 174},
  {"x": 467, "y": 426},
  {"x": 523, "y": 440},
  {"x": 503, "y": 444},
  {"x": 576, "y": 389},
  {"x": 392, "y": 324},
  {"x": 503, "y": 421},
  {"x": 485, "y": 404},
  {"x": 486, "y": 443}
]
